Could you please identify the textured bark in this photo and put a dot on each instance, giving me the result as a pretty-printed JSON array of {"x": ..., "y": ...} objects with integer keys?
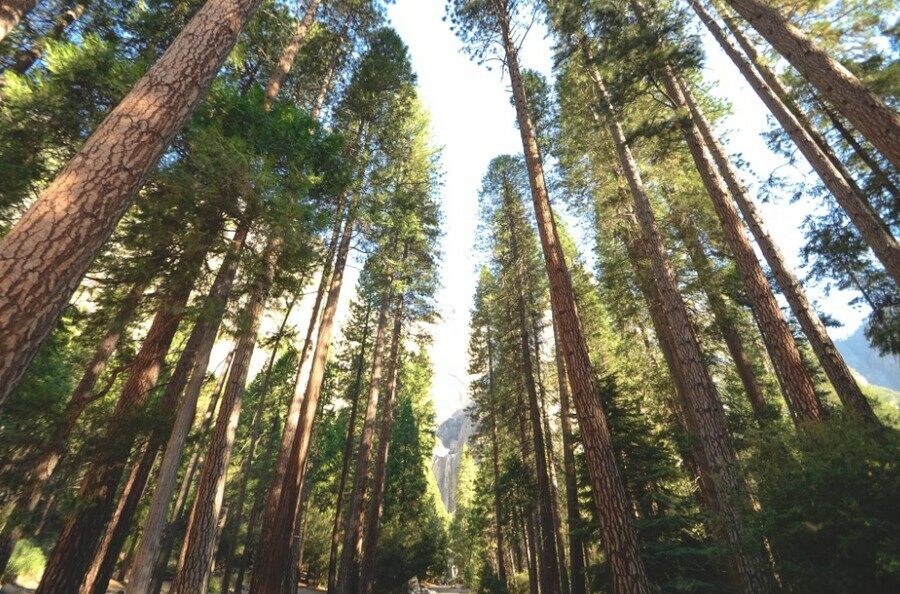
[
  {"x": 283, "y": 68},
  {"x": 613, "y": 508},
  {"x": 495, "y": 461},
  {"x": 812, "y": 145},
  {"x": 72, "y": 554},
  {"x": 549, "y": 570},
  {"x": 274, "y": 549},
  {"x": 44, "y": 257},
  {"x": 864, "y": 109},
  {"x": 573, "y": 515},
  {"x": 702, "y": 406},
  {"x": 827, "y": 353},
  {"x": 373, "y": 520},
  {"x": 96, "y": 581},
  {"x": 796, "y": 386},
  {"x": 82, "y": 396},
  {"x": 293, "y": 414},
  {"x": 12, "y": 12},
  {"x": 724, "y": 318},
  {"x": 356, "y": 510},
  {"x": 195, "y": 561},
  {"x": 26, "y": 59},
  {"x": 195, "y": 360},
  {"x": 256, "y": 428},
  {"x": 348, "y": 453}
]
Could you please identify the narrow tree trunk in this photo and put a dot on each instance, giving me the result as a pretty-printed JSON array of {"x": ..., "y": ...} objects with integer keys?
[
  {"x": 274, "y": 549},
  {"x": 72, "y": 554},
  {"x": 827, "y": 353},
  {"x": 816, "y": 151},
  {"x": 796, "y": 385},
  {"x": 26, "y": 59},
  {"x": 724, "y": 319},
  {"x": 11, "y": 12},
  {"x": 195, "y": 562},
  {"x": 283, "y": 68},
  {"x": 96, "y": 581},
  {"x": 619, "y": 536},
  {"x": 348, "y": 453},
  {"x": 549, "y": 570},
  {"x": 702, "y": 406},
  {"x": 866, "y": 111},
  {"x": 246, "y": 464},
  {"x": 205, "y": 330},
  {"x": 45, "y": 255},
  {"x": 373, "y": 520},
  {"x": 573, "y": 515},
  {"x": 495, "y": 461},
  {"x": 348, "y": 568}
]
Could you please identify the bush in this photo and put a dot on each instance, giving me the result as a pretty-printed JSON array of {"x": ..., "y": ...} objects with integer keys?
[{"x": 27, "y": 562}]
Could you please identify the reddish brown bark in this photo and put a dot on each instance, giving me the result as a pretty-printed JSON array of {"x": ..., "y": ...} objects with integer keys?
[
  {"x": 195, "y": 562},
  {"x": 274, "y": 549},
  {"x": 613, "y": 508},
  {"x": 283, "y": 68},
  {"x": 45, "y": 256},
  {"x": 864, "y": 109},
  {"x": 12, "y": 12}
]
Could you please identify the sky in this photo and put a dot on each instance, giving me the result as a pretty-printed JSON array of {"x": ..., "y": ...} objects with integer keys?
[{"x": 473, "y": 121}]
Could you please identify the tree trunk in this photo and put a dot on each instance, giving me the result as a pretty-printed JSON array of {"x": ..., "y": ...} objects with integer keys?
[
  {"x": 619, "y": 536},
  {"x": 96, "y": 581},
  {"x": 827, "y": 353},
  {"x": 348, "y": 453},
  {"x": 283, "y": 68},
  {"x": 866, "y": 111},
  {"x": 348, "y": 568},
  {"x": 246, "y": 464},
  {"x": 72, "y": 554},
  {"x": 495, "y": 460},
  {"x": 274, "y": 548},
  {"x": 796, "y": 385},
  {"x": 45, "y": 255},
  {"x": 549, "y": 570},
  {"x": 705, "y": 415},
  {"x": 373, "y": 520},
  {"x": 11, "y": 12},
  {"x": 195, "y": 562},
  {"x": 724, "y": 318},
  {"x": 573, "y": 516},
  {"x": 204, "y": 333},
  {"x": 816, "y": 151},
  {"x": 26, "y": 59}
]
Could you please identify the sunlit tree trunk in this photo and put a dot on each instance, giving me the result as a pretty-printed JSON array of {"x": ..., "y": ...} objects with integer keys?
[
  {"x": 283, "y": 68},
  {"x": 617, "y": 527},
  {"x": 46, "y": 254},
  {"x": 12, "y": 12}
]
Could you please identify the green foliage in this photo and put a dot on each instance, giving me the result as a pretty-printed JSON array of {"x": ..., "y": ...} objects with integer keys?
[{"x": 27, "y": 562}]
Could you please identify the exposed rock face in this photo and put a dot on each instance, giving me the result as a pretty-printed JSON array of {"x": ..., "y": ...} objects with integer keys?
[{"x": 453, "y": 434}]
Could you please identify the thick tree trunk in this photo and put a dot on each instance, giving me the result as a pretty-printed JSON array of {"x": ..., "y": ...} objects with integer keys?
[
  {"x": 198, "y": 351},
  {"x": 283, "y": 68},
  {"x": 96, "y": 581},
  {"x": 619, "y": 536},
  {"x": 702, "y": 406},
  {"x": 724, "y": 318},
  {"x": 195, "y": 562},
  {"x": 274, "y": 549},
  {"x": 373, "y": 520},
  {"x": 246, "y": 464},
  {"x": 796, "y": 386},
  {"x": 814, "y": 148},
  {"x": 44, "y": 257},
  {"x": 72, "y": 554},
  {"x": 348, "y": 453},
  {"x": 348, "y": 568},
  {"x": 827, "y": 353},
  {"x": 26, "y": 59},
  {"x": 12, "y": 12},
  {"x": 866, "y": 111},
  {"x": 573, "y": 515},
  {"x": 549, "y": 570}
]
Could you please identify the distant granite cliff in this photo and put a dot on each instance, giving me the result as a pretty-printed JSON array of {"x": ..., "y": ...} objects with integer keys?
[
  {"x": 453, "y": 435},
  {"x": 864, "y": 360}
]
